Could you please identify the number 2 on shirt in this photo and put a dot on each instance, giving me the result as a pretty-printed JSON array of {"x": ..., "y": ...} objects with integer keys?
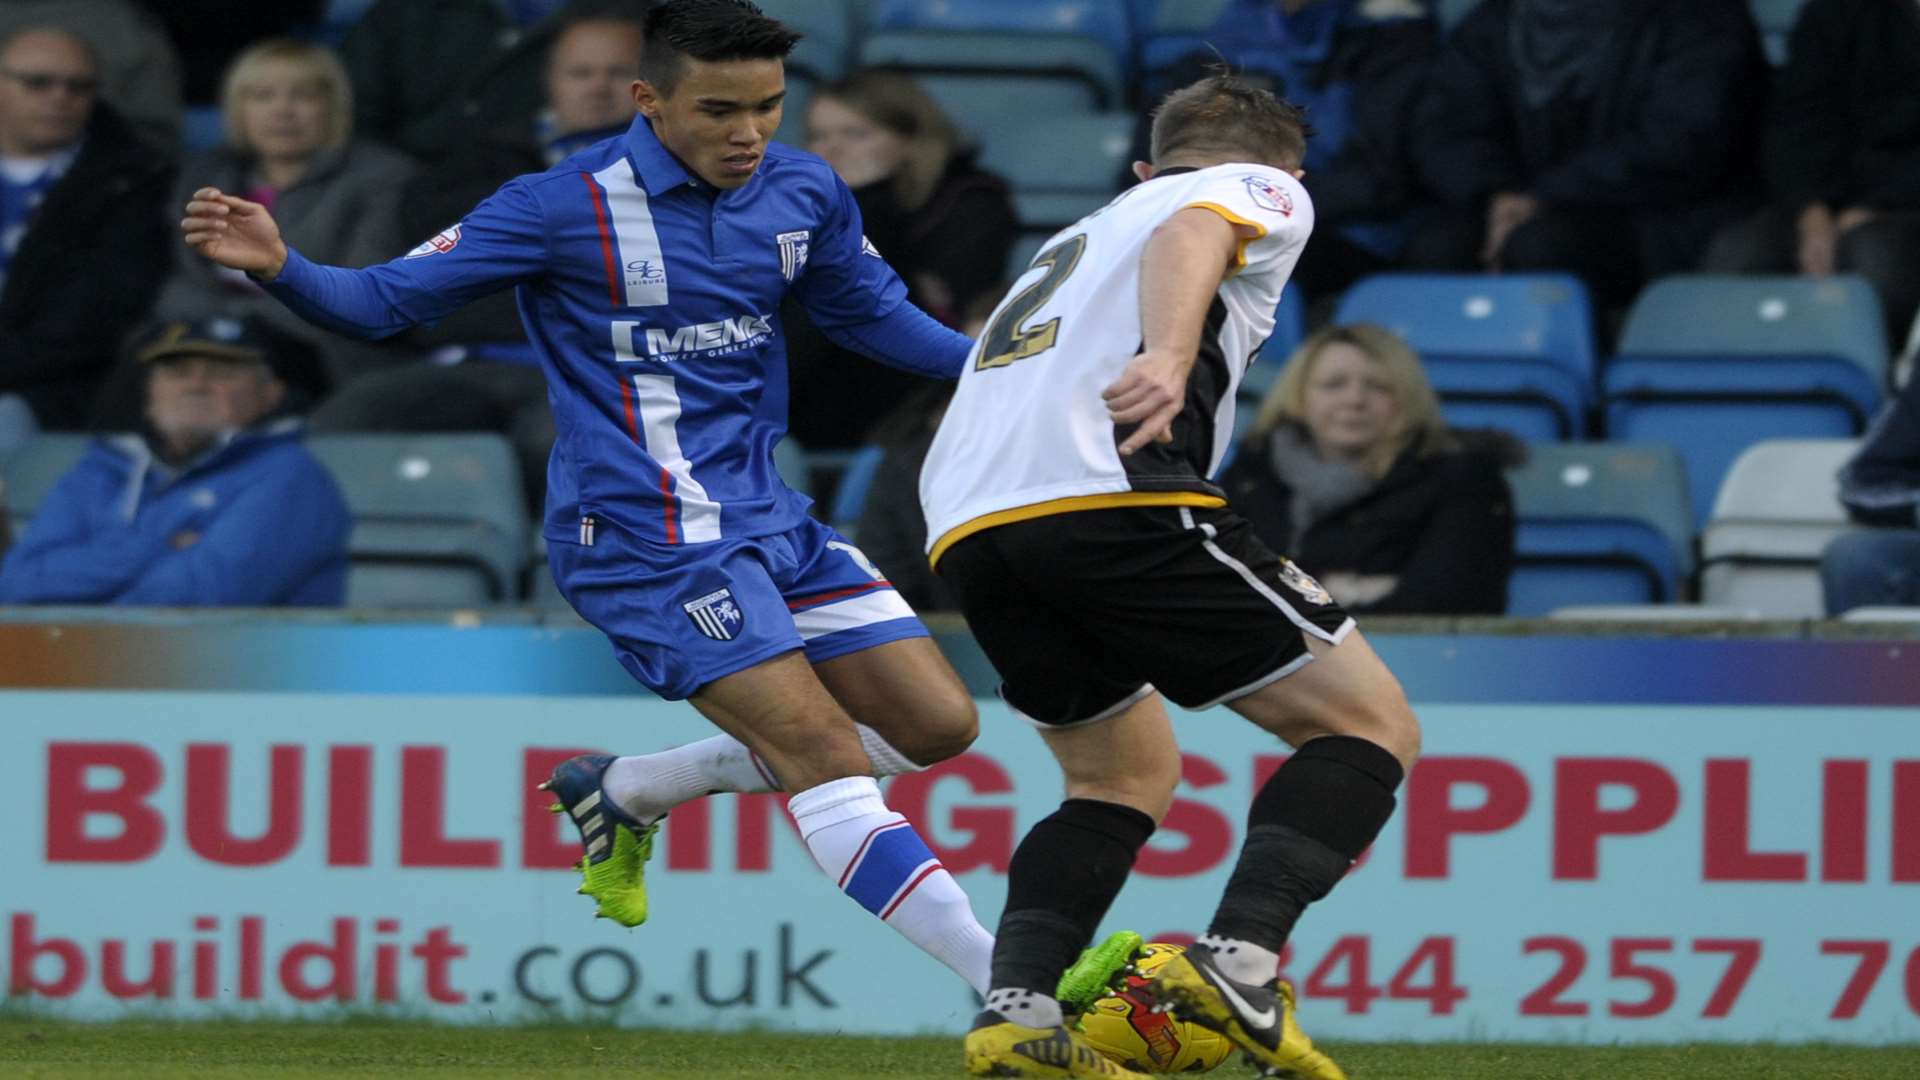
[{"x": 1006, "y": 340}]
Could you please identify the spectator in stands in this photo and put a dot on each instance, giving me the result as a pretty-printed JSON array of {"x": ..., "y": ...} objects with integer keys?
[
  {"x": 893, "y": 528},
  {"x": 430, "y": 77},
  {"x": 1349, "y": 467},
  {"x": 1357, "y": 66},
  {"x": 215, "y": 503},
  {"x": 486, "y": 377},
  {"x": 1880, "y": 487},
  {"x": 944, "y": 224},
  {"x": 290, "y": 147},
  {"x": 1843, "y": 157},
  {"x": 83, "y": 231},
  {"x": 139, "y": 71},
  {"x": 1609, "y": 138}
]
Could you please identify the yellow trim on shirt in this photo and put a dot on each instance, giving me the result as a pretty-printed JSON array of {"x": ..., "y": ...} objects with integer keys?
[
  {"x": 1066, "y": 506},
  {"x": 1240, "y": 253}
]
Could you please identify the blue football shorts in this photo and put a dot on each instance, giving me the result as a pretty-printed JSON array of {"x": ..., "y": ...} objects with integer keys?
[{"x": 681, "y": 616}]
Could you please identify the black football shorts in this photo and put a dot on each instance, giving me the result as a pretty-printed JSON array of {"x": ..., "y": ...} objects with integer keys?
[{"x": 1087, "y": 612}]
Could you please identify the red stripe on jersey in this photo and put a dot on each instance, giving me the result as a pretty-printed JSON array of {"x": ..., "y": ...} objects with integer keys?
[
  {"x": 823, "y": 598},
  {"x": 606, "y": 241},
  {"x": 666, "y": 496},
  {"x": 626, "y": 402}
]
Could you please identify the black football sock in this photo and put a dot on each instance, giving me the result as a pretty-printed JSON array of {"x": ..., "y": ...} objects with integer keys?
[
  {"x": 1063, "y": 877},
  {"x": 1309, "y": 822}
]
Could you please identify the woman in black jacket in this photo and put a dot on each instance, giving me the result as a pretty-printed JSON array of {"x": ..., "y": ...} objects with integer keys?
[
  {"x": 944, "y": 224},
  {"x": 1350, "y": 471}
]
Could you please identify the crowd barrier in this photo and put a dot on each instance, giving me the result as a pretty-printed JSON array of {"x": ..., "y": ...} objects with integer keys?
[{"x": 1613, "y": 836}]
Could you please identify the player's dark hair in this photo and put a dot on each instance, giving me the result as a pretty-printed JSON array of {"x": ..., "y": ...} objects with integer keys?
[
  {"x": 709, "y": 31},
  {"x": 1225, "y": 116}
]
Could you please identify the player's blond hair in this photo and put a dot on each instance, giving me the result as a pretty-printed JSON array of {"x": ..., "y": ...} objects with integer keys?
[
  {"x": 897, "y": 102},
  {"x": 321, "y": 67},
  {"x": 1227, "y": 118},
  {"x": 1416, "y": 419}
]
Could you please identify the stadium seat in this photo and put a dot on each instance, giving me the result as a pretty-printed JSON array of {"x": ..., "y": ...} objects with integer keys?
[
  {"x": 1175, "y": 16},
  {"x": 1658, "y": 613},
  {"x": 1105, "y": 22},
  {"x": 1775, "y": 513},
  {"x": 1776, "y": 19},
  {"x": 1450, "y": 12},
  {"x": 790, "y": 461},
  {"x": 202, "y": 128},
  {"x": 438, "y": 519},
  {"x": 1714, "y": 365},
  {"x": 1760, "y": 315},
  {"x": 828, "y": 25},
  {"x": 1598, "y": 523},
  {"x": 1513, "y": 351},
  {"x": 1079, "y": 153},
  {"x": 29, "y": 473},
  {"x": 1875, "y": 613},
  {"x": 1029, "y": 243},
  {"x": 983, "y": 78},
  {"x": 1289, "y": 330},
  {"x": 793, "y": 117},
  {"x": 850, "y": 495}
]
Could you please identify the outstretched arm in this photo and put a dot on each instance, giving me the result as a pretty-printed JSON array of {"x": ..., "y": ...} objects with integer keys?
[
  {"x": 1186, "y": 259},
  {"x": 502, "y": 242}
]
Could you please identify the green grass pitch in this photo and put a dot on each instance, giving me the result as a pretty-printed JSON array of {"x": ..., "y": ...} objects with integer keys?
[{"x": 33, "y": 1049}]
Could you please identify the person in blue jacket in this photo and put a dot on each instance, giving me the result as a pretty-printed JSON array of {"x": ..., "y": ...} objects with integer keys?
[
  {"x": 650, "y": 268},
  {"x": 215, "y": 503}
]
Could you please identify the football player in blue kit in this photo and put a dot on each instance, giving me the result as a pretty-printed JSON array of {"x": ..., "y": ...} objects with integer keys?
[{"x": 649, "y": 270}]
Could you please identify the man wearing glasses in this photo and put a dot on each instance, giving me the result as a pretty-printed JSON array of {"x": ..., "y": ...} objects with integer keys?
[{"x": 82, "y": 235}]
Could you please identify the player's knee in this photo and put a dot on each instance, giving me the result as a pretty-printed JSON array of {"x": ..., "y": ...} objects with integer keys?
[
  {"x": 948, "y": 724},
  {"x": 1392, "y": 723},
  {"x": 1146, "y": 786}
]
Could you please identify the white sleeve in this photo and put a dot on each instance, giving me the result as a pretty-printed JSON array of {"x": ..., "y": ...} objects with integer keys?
[{"x": 1268, "y": 200}]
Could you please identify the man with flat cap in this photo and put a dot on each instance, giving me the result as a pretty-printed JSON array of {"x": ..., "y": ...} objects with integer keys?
[{"x": 214, "y": 502}]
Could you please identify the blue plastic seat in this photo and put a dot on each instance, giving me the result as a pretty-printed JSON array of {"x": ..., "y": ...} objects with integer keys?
[
  {"x": 438, "y": 519},
  {"x": 1104, "y": 21},
  {"x": 1598, "y": 523},
  {"x": 31, "y": 471},
  {"x": 829, "y": 30},
  {"x": 1518, "y": 349},
  {"x": 1078, "y": 153},
  {"x": 850, "y": 497},
  {"x": 1760, "y": 315},
  {"x": 1715, "y": 364},
  {"x": 984, "y": 78},
  {"x": 202, "y": 127},
  {"x": 1175, "y": 16},
  {"x": 1776, "y": 19},
  {"x": 1289, "y": 330}
]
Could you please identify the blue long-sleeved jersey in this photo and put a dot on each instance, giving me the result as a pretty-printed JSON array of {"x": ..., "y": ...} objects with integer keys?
[
  {"x": 254, "y": 522},
  {"x": 652, "y": 299}
]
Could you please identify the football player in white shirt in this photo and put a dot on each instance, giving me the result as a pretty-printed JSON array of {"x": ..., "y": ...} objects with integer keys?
[{"x": 1068, "y": 505}]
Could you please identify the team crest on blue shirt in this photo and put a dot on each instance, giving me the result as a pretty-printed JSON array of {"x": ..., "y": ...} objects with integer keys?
[
  {"x": 716, "y": 615},
  {"x": 793, "y": 252}
]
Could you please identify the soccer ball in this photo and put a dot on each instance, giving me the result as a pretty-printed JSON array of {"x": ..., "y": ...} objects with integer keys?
[{"x": 1124, "y": 1026}]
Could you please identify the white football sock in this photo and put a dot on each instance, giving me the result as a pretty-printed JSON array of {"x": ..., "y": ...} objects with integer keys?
[
  {"x": 1242, "y": 961},
  {"x": 1028, "y": 1008},
  {"x": 649, "y": 785},
  {"x": 877, "y": 858}
]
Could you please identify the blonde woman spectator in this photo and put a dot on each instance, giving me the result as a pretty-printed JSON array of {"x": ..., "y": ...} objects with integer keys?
[
  {"x": 289, "y": 146},
  {"x": 944, "y": 224},
  {"x": 1349, "y": 469}
]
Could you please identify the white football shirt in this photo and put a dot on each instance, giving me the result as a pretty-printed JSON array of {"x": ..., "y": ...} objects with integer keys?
[{"x": 1028, "y": 434}]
